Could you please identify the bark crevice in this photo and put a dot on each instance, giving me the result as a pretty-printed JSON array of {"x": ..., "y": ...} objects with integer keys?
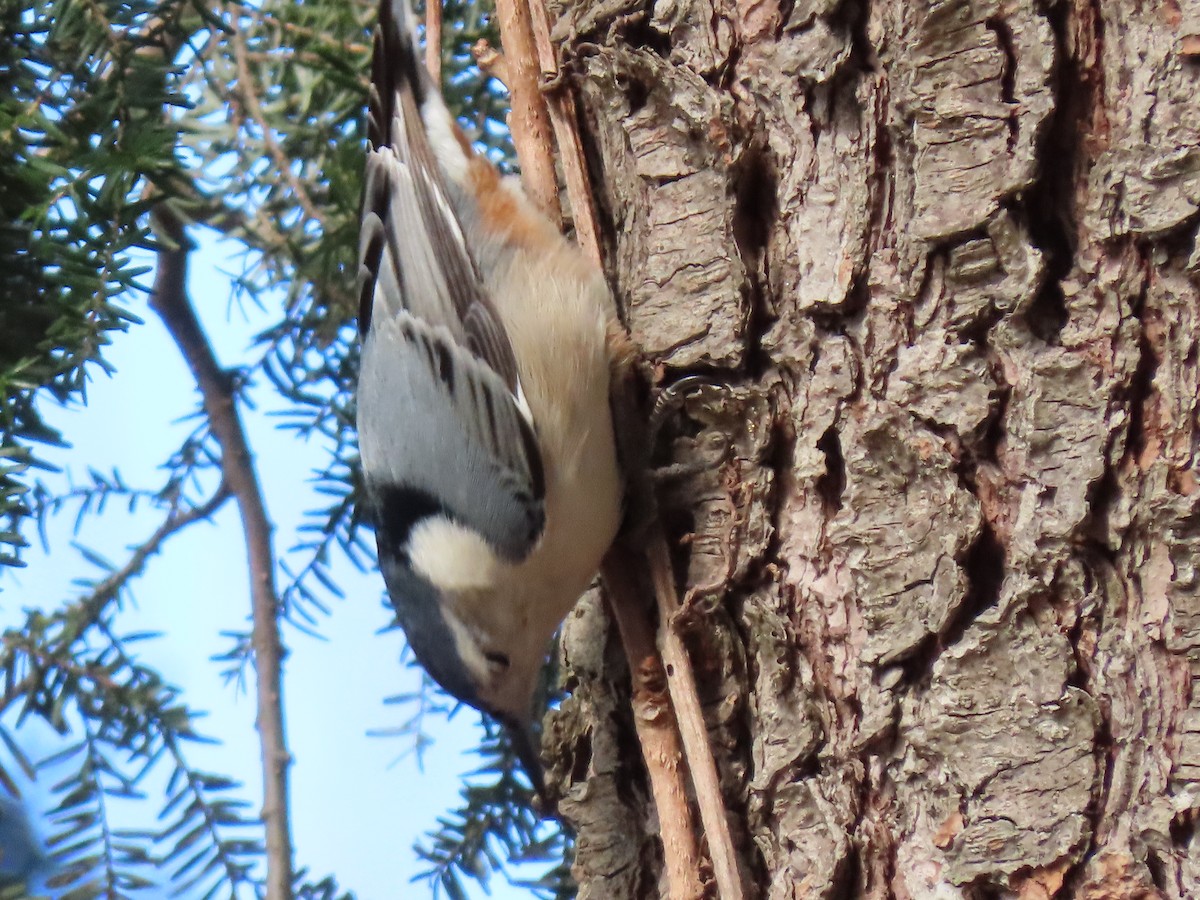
[{"x": 946, "y": 576}]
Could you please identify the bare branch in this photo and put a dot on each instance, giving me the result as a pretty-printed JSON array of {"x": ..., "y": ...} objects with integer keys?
[
  {"x": 98, "y": 598},
  {"x": 657, "y": 731},
  {"x": 491, "y": 61},
  {"x": 561, "y": 104},
  {"x": 246, "y": 91},
  {"x": 17, "y": 641},
  {"x": 681, "y": 682},
  {"x": 529, "y": 121},
  {"x": 169, "y": 299},
  {"x": 653, "y": 713}
]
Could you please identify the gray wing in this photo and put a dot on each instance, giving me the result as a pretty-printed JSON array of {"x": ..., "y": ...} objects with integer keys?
[
  {"x": 412, "y": 254},
  {"x": 439, "y": 432},
  {"x": 442, "y": 424}
]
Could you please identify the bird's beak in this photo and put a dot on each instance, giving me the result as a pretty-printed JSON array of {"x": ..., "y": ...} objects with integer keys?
[{"x": 528, "y": 750}]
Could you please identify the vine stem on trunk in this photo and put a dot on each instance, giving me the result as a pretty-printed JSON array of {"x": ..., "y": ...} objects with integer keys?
[{"x": 525, "y": 34}]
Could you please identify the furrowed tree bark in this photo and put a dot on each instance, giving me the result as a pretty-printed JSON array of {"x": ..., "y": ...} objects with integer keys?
[{"x": 943, "y": 588}]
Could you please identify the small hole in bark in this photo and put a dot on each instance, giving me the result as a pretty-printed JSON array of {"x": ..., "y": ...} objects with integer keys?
[
  {"x": 636, "y": 93},
  {"x": 836, "y": 320},
  {"x": 583, "y": 759},
  {"x": 1158, "y": 872},
  {"x": 640, "y": 33},
  {"x": 832, "y": 484},
  {"x": 1101, "y": 495},
  {"x": 1182, "y": 828},
  {"x": 755, "y": 206},
  {"x": 1048, "y": 314},
  {"x": 1141, "y": 388},
  {"x": 985, "y": 568}
]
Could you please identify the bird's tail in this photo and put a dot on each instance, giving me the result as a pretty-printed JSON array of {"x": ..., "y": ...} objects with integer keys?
[
  {"x": 397, "y": 68},
  {"x": 417, "y": 168}
]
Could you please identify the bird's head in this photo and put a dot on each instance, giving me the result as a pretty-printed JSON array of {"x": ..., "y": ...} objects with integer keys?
[{"x": 463, "y": 619}]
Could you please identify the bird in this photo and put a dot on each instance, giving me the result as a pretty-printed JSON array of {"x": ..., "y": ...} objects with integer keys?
[
  {"x": 23, "y": 860},
  {"x": 485, "y": 432}
]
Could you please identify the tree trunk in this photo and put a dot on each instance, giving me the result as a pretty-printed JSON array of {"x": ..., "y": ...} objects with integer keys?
[{"x": 944, "y": 598}]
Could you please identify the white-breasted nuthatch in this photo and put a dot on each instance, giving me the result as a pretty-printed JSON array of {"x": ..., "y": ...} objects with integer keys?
[{"x": 484, "y": 425}]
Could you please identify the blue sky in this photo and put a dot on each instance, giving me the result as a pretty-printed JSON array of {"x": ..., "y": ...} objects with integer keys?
[{"x": 359, "y": 802}]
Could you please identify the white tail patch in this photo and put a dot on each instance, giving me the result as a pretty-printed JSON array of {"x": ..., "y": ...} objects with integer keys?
[
  {"x": 439, "y": 126},
  {"x": 523, "y": 405},
  {"x": 451, "y": 557}
]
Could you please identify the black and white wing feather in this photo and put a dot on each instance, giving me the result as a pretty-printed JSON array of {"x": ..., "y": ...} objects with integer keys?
[{"x": 443, "y": 426}]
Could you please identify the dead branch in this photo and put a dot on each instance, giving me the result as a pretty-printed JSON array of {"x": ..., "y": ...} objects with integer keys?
[
  {"x": 491, "y": 61},
  {"x": 95, "y": 601},
  {"x": 170, "y": 301},
  {"x": 246, "y": 91},
  {"x": 654, "y": 720},
  {"x": 622, "y": 589},
  {"x": 561, "y": 104},
  {"x": 681, "y": 682},
  {"x": 529, "y": 120}
]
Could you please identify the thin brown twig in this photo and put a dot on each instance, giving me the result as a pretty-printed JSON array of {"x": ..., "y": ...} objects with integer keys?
[
  {"x": 561, "y": 104},
  {"x": 92, "y": 672},
  {"x": 433, "y": 39},
  {"x": 491, "y": 61},
  {"x": 169, "y": 299},
  {"x": 659, "y": 735},
  {"x": 94, "y": 602},
  {"x": 657, "y": 731},
  {"x": 529, "y": 121},
  {"x": 681, "y": 683},
  {"x": 98, "y": 597},
  {"x": 245, "y": 90},
  {"x": 267, "y": 18}
]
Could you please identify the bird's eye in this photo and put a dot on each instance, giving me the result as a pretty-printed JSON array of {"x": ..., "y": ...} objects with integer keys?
[{"x": 498, "y": 661}]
